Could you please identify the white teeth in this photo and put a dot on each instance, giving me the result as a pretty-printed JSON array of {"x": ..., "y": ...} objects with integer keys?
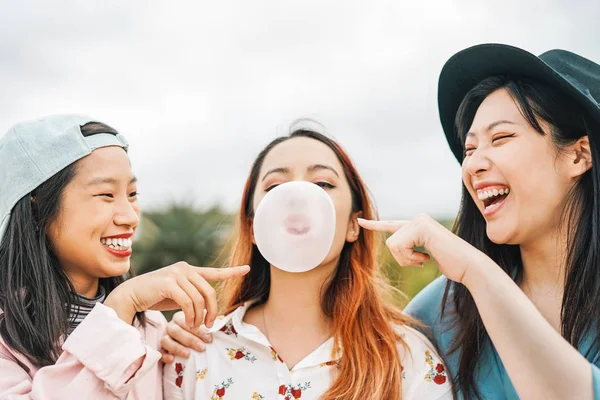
[
  {"x": 117, "y": 244},
  {"x": 491, "y": 206},
  {"x": 486, "y": 194}
]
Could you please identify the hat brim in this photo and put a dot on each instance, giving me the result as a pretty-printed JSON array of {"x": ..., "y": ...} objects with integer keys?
[{"x": 469, "y": 67}]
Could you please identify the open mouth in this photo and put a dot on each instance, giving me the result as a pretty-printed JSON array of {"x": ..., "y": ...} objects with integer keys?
[
  {"x": 493, "y": 196},
  {"x": 118, "y": 246},
  {"x": 297, "y": 224}
]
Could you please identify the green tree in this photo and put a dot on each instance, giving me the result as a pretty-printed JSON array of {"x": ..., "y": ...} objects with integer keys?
[{"x": 180, "y": 233}]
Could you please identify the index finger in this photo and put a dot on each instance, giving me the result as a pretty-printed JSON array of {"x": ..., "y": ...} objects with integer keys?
[
  {"x": 221, "y": 274},
  {"x": 382, "y": 226}
]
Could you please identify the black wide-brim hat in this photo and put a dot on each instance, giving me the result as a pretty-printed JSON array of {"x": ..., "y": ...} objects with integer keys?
[{"x": 574, "y": 75}]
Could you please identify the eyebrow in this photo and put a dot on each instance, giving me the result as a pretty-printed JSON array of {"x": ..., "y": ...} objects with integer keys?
[
  {"x": 311, "y": 168},
  {"x": 110, "y": 181},
  {"x": 493, "y": 125},
  {"x": 319, "y": 167}
]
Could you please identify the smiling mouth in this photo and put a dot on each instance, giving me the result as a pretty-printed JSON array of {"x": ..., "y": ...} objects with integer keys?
[
  {"x": 118, "y": 244},
  {"x": 492, "y": 197}
]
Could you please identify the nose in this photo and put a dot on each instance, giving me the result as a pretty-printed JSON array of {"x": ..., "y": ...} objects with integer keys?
[
  {"x": 477, "y": 163},
  {"x": 127, "y": 213},
  {"x": 296, "y": 202}
]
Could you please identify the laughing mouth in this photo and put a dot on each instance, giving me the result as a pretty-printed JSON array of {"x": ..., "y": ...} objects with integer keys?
[{"x": 492, "y": 195}]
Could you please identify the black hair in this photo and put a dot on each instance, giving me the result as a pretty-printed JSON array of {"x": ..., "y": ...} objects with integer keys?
[
  {"x": 35, "y": 294},
  {"x": 580, "y": 314}
]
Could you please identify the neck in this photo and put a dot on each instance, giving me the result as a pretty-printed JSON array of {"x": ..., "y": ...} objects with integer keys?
[
  {"x": 295, "y": 299},
  {"x": 544, "y": 261},
  {"x": 85, "y": 286}
]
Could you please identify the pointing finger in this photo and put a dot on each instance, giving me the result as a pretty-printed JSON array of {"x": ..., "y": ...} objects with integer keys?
[
  {"x": 382, "y": 226},
  {"x": 221, "y": 274}
]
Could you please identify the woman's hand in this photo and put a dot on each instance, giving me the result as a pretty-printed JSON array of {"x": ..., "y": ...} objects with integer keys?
[
  {"x": 179, "y": 338},
  {"x": 454, "y": 257},
  {"x": 177, "y": 286},
  {"x": 532, "y": 351}
]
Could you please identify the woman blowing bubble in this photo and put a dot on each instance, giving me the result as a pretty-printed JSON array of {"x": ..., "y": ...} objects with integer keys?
[
  {"x": 71, "y": 326},
  {"x": 309, "y": 321}
]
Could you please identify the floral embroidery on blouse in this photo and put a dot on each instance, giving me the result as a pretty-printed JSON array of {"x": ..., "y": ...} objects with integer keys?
[
  {"x": 179, "y": 369},
  {"x": 241, "y": 364},
  {"x": 436, "y": 374},
  {"x": 228, "y": 329},
  {"x": 201, "y": 374},
  {"x": 330, "y": 364},
  {"x": 219, "y": 391},
  {"x": 274, "y": 355},
  {"x": 238, "y": 354},
  {"x": 293, "y": 392}
]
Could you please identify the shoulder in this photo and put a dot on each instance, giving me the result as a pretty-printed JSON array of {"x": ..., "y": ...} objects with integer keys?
[
  {"x": 179, "y": 378},
  {"x": 14, "y": 358},
  {"x": 424, "y": 374},
  {"x": 415, "y": 346},
  {"x": 426, "y": 306},
  {"x": 6, "y": 351}
]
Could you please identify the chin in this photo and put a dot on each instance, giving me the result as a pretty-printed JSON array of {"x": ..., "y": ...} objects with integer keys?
[
  {"x": 115, "y": 269},
  {"x": 500, "y": 234}
]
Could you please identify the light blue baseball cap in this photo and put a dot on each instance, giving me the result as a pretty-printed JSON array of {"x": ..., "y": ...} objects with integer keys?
[{"x": 31, "y": 152}]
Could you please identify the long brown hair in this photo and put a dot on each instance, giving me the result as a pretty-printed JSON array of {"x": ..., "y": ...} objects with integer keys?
[{"x": 356, "y": 298}]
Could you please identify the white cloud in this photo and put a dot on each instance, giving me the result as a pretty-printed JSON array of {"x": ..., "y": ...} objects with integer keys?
[{"x": 199, "y": 87}]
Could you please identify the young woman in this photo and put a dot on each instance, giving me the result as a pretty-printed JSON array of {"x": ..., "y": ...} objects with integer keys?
[
  {"x": 517, "y": 314},
  {"x": 329, "y": 333},
  {"x": 68, "y": 212}
]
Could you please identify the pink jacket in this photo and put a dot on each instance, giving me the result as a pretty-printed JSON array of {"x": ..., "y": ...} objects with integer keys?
[{"x": 104, "y": 358}]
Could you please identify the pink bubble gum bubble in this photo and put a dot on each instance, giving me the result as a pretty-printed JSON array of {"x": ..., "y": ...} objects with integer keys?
[{"x": 294, "y": 226}]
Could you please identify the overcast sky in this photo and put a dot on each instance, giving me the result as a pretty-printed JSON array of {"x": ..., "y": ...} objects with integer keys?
[{"x": 200, "y": 87}]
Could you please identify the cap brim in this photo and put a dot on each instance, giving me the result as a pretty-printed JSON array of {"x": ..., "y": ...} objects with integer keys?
[{"x": 467, "y": 68}]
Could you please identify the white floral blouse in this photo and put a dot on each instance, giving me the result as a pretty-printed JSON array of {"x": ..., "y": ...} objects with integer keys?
[{"x": 241, "y": 364}]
